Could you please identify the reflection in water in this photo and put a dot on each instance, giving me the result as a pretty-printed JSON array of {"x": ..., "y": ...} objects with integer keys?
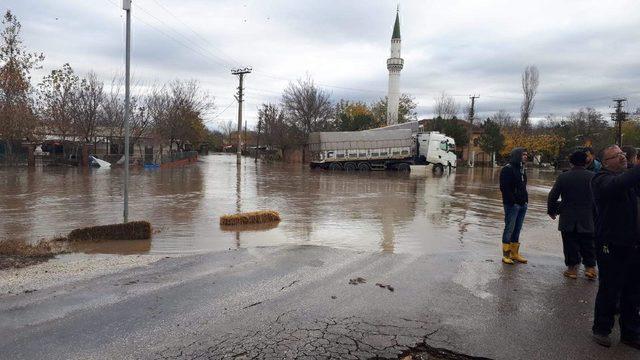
[
  {"x": 378, "y": 211},
  {"x": 121, "y": 247}
]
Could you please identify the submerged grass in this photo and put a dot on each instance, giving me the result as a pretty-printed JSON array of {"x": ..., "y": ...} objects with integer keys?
[
  {"x": 255, "y": 217},
  {"x": 17, "y": 254},
  {"x": 135, "y": 230}
]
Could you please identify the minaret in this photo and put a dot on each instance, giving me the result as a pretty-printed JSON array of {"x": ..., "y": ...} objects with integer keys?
[{"x": 394, "y": 65}]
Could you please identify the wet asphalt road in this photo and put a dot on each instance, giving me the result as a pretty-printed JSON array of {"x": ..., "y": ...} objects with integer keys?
[{"x": 296, "y": 302}]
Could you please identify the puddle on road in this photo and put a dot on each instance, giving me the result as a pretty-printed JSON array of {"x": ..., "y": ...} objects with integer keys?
[{"x": 373, "y": 211}]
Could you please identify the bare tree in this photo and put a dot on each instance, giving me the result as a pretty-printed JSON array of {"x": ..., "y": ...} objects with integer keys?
[
  {"x": 503, "y": 119},
  {"x": 529, "y": 88},
  {"x": 445, "y": 107},
  {"x": 227, "y": 128},
  {"x": 17, "y": 115},
  {"x": 90, "y": 99},
  {"x": 59, "y": 100},
  {"x": 307, "y": 108},
  {"x": 273, "y": 126}
]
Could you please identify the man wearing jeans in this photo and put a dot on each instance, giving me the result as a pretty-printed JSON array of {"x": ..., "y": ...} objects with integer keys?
[
  {"x": 513, "y": 185},
  {"x": 616, "y": 194}
]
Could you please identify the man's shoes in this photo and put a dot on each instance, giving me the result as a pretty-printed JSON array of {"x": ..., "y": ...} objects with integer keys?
[
  {"x": 571, "y": 272},
  {"x": 591, "y": 273},
  {"x": 634, "y": 343},
  {"x": 604, "y": 340}
]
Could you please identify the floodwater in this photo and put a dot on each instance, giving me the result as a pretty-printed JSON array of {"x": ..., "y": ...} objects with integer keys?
[{"x": 372, "y": 211}]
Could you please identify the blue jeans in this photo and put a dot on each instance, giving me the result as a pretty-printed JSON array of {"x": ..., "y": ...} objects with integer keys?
[{"x": 513, "y": 219}]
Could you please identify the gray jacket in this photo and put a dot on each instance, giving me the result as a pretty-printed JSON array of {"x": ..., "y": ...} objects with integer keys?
[{"x": 576, "y": 209}]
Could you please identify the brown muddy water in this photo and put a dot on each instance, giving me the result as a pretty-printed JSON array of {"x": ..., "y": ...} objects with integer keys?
[{"x": 373, "y": 211}]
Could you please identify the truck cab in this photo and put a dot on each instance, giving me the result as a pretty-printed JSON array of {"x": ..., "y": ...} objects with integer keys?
[{"x": 437, "y": 149}]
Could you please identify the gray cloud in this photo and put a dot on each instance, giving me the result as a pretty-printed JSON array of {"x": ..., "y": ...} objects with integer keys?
[{"x": 460, "y": 47}]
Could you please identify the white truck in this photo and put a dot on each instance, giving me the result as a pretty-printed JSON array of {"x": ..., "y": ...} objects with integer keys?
[{"x": 394, "y": 149}]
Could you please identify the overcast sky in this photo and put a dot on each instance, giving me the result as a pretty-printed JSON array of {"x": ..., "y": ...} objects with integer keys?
[{"x": 587, "y": 52}]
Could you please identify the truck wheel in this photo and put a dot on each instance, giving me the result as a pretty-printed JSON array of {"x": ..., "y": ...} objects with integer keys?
[
  {"x": 335, "y": 166},
  {"x": 364, "y": 167},
  {"x": 350, "y": 166},
  {"x": 438, "y": 169},
  {"x": 404, "y": 167}
]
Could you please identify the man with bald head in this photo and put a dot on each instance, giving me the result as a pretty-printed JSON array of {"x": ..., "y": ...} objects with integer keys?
[{"x": 615, "y": 193}]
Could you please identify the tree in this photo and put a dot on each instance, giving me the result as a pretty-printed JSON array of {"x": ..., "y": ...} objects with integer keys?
[
  {"x": 406, "y": 110},
  {"x": 451, "y": 127},
  {"x": 89, "y": 110},
  {"x": 491, "y": 141},
  {"x": 445, "y": 107},
  {"x": 631, "y": 132},
  {"x": 275, "y": 131},
  {"x": 354, "y": 116},
  {"x": 503, "y": 119},
  {"x": 307, "y": 108},
  {"x": 530, "y": 88},
  {"x": 59, "y": 100},
  {"x": 17, "y": 115}
]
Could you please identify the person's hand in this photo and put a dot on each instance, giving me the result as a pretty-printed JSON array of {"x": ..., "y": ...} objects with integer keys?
[{"x": 552, "y": 216}]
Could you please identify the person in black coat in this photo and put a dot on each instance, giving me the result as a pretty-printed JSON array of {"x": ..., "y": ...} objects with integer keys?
[
  {"x": 576, "y": 216},
  {"x": 513, "y": 185},
  {"x": 615, "y": 192}
]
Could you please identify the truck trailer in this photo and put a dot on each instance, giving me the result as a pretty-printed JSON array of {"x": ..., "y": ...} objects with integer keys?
[{"x": 394, "y": 149}]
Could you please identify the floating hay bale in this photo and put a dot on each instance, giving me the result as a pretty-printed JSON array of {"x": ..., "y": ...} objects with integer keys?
[
  {"x": 135, "y": 230},
  {"x": 256, "y": 217}
]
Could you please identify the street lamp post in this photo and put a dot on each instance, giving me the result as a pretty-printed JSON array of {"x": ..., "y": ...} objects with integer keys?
[{"x": 126, "y": 6}]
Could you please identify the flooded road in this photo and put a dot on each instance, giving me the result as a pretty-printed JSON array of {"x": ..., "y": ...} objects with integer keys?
[{"x": 375, "y": 211}]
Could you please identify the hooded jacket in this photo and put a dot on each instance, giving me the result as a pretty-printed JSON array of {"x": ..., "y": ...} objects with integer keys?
[
  {"x": 616, "y": 198},
  {"x": 513, "y": 180}
]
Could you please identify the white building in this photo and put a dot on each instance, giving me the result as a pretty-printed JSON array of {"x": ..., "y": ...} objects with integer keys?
[{"x": 394, "y": 65}]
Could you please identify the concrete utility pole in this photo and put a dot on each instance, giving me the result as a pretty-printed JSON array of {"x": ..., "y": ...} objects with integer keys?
[
  {"x": 240, "y": 73},
  {"x": 472, "y": 114},
  {"x": 619, "y": 117},
  {"x": 126, "y": 5}
]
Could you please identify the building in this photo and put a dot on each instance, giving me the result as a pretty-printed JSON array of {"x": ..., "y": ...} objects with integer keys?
[{"x": 394, "y": 65}]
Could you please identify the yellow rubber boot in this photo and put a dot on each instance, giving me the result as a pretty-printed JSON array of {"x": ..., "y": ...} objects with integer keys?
[
  {"x": 515, "y": 253},
  {"x": 506, "y": 252}
]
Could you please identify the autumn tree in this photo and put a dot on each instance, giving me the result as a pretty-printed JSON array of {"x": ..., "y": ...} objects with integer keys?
[
  {"x": 406, "y": 110},
  {"x": 354, "y": 116},
  {"x": 307, "y": 108},
  {"x": 17, "y": 116},
  {"x": 530, "y": 84}
]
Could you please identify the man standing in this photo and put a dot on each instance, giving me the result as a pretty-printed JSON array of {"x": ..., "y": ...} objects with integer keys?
[
  {"x": 617, "y": 248},
  {"x": 513, "y": 185},
  {"x": 576, "y": 216},
  {"x": 592, "y": 163}
]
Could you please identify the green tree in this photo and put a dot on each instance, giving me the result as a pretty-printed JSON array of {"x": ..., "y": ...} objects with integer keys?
[
  {"x": 406, "y": 110},
  {"x": 17, "y": 115},
  {"x": 491, "y": 141}
]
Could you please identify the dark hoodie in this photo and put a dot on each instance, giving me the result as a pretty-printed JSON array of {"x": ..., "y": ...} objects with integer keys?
[{"x": 513, "y": 180}]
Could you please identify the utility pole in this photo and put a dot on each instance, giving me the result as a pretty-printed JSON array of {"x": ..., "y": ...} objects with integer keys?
[
  {"x": 244, "y": 145},
  {"x": 472, "y": 115},
  {"x": 240, "y": 73},
  {"x": 126, "y": 5},
  {"x": 258, "y": 139},
  {"x": 619, "y": 116}
]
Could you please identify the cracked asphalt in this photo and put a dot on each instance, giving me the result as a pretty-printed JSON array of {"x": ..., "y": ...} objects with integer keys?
[{"x": 298, "y": 302}]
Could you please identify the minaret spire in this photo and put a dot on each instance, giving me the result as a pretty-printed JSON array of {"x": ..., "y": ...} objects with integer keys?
[{"x": 394, "y": 65}]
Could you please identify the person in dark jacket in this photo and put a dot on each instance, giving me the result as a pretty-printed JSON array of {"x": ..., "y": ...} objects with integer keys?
[
  {"x": 616, "y": 194},
  {"x": 576, "y": 216},
  {"x": 513, "y": 185},
  {"x": 592, "y": 163}
]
